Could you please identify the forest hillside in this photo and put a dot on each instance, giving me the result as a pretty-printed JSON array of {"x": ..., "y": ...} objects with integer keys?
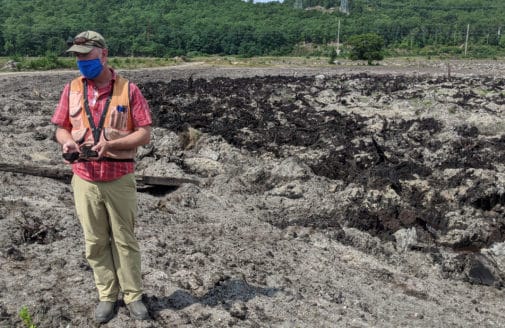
[{"x": 164, "y": 28}]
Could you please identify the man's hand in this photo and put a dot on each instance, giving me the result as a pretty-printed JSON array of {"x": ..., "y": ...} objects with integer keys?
[
  {"x": 70, "y": 146},
  {"x": 70, "y": 151},
  {"x": 140, "y": 136},
  {"x": 101, "y": 148}
]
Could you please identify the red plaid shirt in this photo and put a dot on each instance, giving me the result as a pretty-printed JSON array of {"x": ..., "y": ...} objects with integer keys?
[{"x": 103, "y": 170}]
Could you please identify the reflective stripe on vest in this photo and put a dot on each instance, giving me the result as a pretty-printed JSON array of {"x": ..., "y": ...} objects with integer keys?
[{"x": 118, "y": 121}]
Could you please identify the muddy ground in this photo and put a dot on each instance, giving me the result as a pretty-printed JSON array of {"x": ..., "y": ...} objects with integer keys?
[{"x": 347, "y": 196}]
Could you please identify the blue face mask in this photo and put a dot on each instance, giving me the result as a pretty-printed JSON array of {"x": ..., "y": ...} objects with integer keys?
[{"x": 90, "y": 68}]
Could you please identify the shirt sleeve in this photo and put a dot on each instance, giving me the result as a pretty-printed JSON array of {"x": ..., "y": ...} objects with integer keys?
[
  {"x": 60, "y": 116},
  {"x": 140, "y": 108}
]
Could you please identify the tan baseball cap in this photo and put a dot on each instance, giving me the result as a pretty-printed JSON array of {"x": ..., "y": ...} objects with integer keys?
[{"x": 85, "y": 41}]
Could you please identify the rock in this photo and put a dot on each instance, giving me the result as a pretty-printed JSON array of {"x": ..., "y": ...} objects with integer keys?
[
  {"x": 291, "y": 190},
  {"x": 239, "y": 310},
  {"x": 203, "y": 166},
  {"x": 14, "y": 254},
  {"x": 405, "y": 239},
  {"x": 497, "y": 253},
  {"x": 289, "y": 169},
  {"x": 327, "y": 97},
  {"x": 319, "y": 80},
  {"x": 480, "y": 270}
]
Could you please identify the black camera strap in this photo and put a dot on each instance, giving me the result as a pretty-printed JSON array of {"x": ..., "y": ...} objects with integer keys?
[{"x": 96, "y": 130}]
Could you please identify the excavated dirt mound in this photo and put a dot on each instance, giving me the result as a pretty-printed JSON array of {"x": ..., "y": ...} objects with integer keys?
[{"x": 344, "y": 196}]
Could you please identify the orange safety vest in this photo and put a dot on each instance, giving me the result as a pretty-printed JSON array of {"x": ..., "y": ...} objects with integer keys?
[{"x": 117, "y": 122}]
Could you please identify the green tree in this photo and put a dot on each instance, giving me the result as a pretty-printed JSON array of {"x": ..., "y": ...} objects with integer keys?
[
  {"x": 333, "y": 56},
  {"x": 176, "y": 27},
  {"x": 367, "y": 47}
]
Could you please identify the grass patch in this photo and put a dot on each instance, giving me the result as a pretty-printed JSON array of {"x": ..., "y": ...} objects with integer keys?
[
  {"x": 141, "y": 62},
  {"x": 44, "y": 63},
  {"x": 26, "y": 317},
  {"x": 264, "y": 61},
  {"x": 50, "y": 62}
]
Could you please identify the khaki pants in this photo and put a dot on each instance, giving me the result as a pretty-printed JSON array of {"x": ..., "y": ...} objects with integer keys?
[{"x": 107, "y": 212}]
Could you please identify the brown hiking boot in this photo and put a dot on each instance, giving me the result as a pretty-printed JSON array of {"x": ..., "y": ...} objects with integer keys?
[
  {"x": 105, "y": 311},
  {"x": 138, "y": 310}
]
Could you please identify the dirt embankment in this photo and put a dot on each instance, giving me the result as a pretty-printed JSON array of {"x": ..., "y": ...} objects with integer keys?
[{"x": 353, "y": 197}]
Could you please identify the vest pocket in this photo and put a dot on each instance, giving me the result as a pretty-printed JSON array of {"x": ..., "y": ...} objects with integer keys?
[
  {"x": 119, "y": 118},
  {"x": 79, "y": 135},
  {"x": 75, "y": 104},
  {"x": 112, "y": 134}
]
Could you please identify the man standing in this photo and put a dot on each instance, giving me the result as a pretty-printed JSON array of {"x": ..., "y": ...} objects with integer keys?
[{"x": 101, "y": 119}]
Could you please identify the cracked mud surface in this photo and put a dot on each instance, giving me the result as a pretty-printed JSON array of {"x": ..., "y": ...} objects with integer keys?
[{"x": 344, "y": 196}]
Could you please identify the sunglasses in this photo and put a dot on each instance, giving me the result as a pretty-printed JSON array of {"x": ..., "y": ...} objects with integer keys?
[{"x": 88, "y": 42}]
